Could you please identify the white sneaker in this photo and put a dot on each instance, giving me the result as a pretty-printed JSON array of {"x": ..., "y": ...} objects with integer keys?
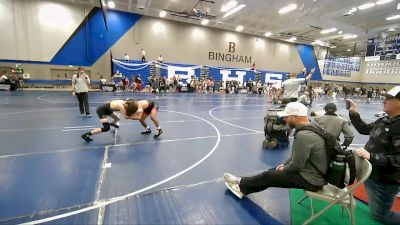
[
  {"x": 230, "y": 178},
  {"x": 234, "y": 188}
]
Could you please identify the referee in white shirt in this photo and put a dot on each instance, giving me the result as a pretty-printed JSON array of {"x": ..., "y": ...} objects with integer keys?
[
  {"x": 80, "y": 87},
  {"x": 290, "y": 87}
]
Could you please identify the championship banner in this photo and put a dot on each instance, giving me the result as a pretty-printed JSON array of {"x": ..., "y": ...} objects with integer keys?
[{"x": 385, "y": 48}]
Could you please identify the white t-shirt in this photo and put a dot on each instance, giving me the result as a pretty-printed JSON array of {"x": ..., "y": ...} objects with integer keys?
[
  {"x": 143, "y": 53},
  {"x": 291, "y": 87},
  {"x": 80, "y": 83},
  {"x": 126, "y": 57}
]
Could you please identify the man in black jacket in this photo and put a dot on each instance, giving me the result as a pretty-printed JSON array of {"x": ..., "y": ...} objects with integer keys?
[{"x": 383, "y": 151}]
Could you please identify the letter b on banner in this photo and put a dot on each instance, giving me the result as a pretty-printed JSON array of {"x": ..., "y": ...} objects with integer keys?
[{"x": 232, "y": 46}]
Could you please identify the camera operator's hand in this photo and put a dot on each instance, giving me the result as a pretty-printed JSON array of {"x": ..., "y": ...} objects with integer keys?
[
  {"x": 352, "y": 106},
  {"x": 362, "y": 153}
]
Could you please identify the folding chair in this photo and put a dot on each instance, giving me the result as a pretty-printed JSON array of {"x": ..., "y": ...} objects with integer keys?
[{"x": 336, "y": 196}]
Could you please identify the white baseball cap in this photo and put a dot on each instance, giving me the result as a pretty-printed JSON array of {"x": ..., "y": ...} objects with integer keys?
[
  {"x": 294, "y": 109},
  {"x": 393, "y": 93}
]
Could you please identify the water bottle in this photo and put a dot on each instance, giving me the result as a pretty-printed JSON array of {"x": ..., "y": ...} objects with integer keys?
[{"x": 338, "y": 171}]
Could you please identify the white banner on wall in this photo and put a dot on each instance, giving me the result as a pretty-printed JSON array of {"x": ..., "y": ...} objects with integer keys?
[
  {"x": 188, "y": 72},
  {"x": 274, "y": 79},
  {"x": 372, "y": 58},
  {"x": 227, "y": 76}
]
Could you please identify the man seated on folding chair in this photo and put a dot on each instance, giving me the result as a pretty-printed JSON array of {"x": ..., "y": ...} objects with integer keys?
[{"x": 300, "y": 171}]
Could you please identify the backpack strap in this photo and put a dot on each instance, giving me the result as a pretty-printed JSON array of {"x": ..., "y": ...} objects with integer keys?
[
  {"x": 351, "y": 162},
  {"x": 314, "y": 129}
]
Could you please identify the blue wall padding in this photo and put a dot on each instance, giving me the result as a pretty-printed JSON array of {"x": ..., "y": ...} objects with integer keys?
[
  {"x": 93, "y": 40},
  {"x": 307, "y": 55}
]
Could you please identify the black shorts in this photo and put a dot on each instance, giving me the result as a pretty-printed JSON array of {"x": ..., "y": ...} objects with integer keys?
[
  {"x": 287, "y": 100},
  {"x": 104, "y": 110},
  {"x": 151, "y": 106}
]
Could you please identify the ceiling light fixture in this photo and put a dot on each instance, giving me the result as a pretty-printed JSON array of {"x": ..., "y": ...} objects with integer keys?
[
  {"x": 333, "y": 46},
  {"x": 398, "y": 6},
  {"x": 395, "y": 17},
  {"x": 204, "y": 22},
  {"x": 292, "y": 39},
  {"x": 381, "y": 2},
  {"x": 340, "y": 32},
  {"x": 268, "y": 34},
  {"x": 328, "y": 31},
  {"x": 287, "y": 9},
  {"x": 111, "y": 4},
  {"x": 352, "y": 10},
  {"x": 163, "y": 13},
  {"x": 239, "y": 28},
  {"x": 350, "y": 36},
  {"x": 228, "y": 6},
  {"x": 234, "y": 10},
  {"x": 349, "y": 50},
  {"x": 366, "y": 6}
]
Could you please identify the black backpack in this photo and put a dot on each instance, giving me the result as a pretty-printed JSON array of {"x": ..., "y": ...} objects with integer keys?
[{"x": 338, "y": 158}]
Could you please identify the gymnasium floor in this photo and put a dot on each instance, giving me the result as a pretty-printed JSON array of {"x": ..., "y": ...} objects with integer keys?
[{"x": 46, "y": 169}]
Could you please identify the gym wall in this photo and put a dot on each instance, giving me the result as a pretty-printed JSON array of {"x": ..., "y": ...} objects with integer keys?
[
  {"x": 380, "y": 78},
  {"x": 35, "y": 30},
  {"x": 47, "y": 35},
  {"x": 43, "y": 42},
  {"x": 191, "y": 44}
]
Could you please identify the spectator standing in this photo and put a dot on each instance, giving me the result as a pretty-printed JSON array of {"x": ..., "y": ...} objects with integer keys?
[{"x": 80, "y": 87}]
